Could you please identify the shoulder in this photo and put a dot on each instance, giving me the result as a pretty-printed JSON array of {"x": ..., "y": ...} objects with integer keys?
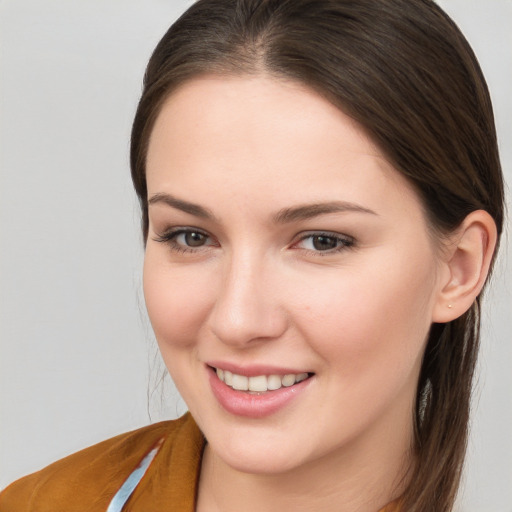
[{"x": 89, "y": 476}]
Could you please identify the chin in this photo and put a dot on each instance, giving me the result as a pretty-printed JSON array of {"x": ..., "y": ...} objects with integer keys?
[
  {"x": 258, "y": 462},
  {"x": 259, "y": 451}
]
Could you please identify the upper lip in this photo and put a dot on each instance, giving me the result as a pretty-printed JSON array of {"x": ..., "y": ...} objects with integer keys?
[{"x": 253, "y": 370}]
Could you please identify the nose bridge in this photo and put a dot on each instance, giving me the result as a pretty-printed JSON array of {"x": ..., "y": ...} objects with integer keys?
[{"x": 247, "y": 307}]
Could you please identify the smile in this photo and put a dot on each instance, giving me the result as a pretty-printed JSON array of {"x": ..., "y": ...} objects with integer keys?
[
  {"x": 261, "y": 392},
  {"x": 259, "y": 383}
]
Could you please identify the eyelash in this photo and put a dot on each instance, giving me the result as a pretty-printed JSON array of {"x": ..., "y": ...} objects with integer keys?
[
  {"x": 345, "y": 242},
  {"x": 169, "y": 237}
]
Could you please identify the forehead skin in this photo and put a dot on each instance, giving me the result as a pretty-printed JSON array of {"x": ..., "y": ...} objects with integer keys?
[{"x": 292, "y": 134}]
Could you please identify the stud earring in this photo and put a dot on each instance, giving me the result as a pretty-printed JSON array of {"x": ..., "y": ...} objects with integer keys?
[{"x": 450, "y": 306}]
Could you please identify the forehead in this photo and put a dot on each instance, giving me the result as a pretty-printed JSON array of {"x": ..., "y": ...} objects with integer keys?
[
  {"x": 258, "y": 106},
  {"x": 262, "y": 138}
]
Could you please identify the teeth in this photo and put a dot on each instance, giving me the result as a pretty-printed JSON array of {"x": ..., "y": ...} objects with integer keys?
[
  {"x": 300, "y": 377},
  {"x": 288, "y": 380},
  {"x": 228, "y": 378},
  {"x": 240, "y": 382},
  {"x": 273, "y": 382},
  {"x": 259, "y": 383}
]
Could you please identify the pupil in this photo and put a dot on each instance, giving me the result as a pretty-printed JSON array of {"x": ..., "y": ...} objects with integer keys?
[
  {"x": 194, "y": 239},
  {"x": 324, "y": 243}
]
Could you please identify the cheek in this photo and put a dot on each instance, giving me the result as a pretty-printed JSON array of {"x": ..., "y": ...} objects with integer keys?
[
  {"x": 371, "y": 318},
  {"x": 176, "y": 300},
  {"x": 370, "y": 331}
]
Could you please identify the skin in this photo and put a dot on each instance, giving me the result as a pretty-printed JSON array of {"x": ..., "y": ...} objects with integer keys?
[{"x": 257, "y": 291}]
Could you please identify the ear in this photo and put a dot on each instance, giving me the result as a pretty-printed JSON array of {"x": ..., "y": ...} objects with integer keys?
[{"x": 466, "y": 265}]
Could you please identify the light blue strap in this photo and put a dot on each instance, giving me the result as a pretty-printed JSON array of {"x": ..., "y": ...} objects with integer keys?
[{"x": 129, "y": 485}]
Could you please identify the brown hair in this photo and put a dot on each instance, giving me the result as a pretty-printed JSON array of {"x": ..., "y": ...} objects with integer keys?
[{"x": 405, "y": 73}]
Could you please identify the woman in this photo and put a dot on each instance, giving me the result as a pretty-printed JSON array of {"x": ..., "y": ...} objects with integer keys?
[{"x": 316, "y": 248}]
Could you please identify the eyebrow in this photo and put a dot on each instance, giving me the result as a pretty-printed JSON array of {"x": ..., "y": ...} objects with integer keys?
[
  {"x": 283, "y": 216},
  {"x": 184, "y": 206},
  {"x": 309, "y": 211}
]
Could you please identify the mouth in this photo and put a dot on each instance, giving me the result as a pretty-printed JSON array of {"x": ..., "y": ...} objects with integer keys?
[
  {"x": 261, "y": 392},
  {"x": 259, "y": 384}
]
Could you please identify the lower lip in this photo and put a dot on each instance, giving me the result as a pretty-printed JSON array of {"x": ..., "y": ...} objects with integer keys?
[{"x": 248, "y": 405}]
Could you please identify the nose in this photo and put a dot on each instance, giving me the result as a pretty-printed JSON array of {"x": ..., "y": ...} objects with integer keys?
[{"x": 247, "y": 308}]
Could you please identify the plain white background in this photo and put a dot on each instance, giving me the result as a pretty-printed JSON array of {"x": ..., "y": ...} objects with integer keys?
[{"x": 78, "y": 361}]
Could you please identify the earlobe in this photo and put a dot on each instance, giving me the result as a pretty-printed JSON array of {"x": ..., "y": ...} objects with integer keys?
[{"x": 467, "y": 264}]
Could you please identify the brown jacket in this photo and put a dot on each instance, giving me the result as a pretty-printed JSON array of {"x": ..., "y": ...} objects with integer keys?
[{"x": 87, "y": 480}]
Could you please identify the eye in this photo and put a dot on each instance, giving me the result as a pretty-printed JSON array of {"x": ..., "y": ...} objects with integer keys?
[
  {"x": 185, "y": 239},
  {"x": 191, "y": 238},
  {"x": 324, "y": 242}
]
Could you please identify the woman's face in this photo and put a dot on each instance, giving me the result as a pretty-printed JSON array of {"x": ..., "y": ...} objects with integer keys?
[{"x": 282, "y": 243}]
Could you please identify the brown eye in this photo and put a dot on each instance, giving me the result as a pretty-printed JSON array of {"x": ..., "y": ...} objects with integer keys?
[
  {"x": 194, "y": 238},
  {"x": 324, "y": 243},
  {"x": 185, "y": 239}
]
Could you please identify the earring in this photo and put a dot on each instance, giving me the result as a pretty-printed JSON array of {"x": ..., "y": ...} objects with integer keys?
[{"x": 450, "y": 306}]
